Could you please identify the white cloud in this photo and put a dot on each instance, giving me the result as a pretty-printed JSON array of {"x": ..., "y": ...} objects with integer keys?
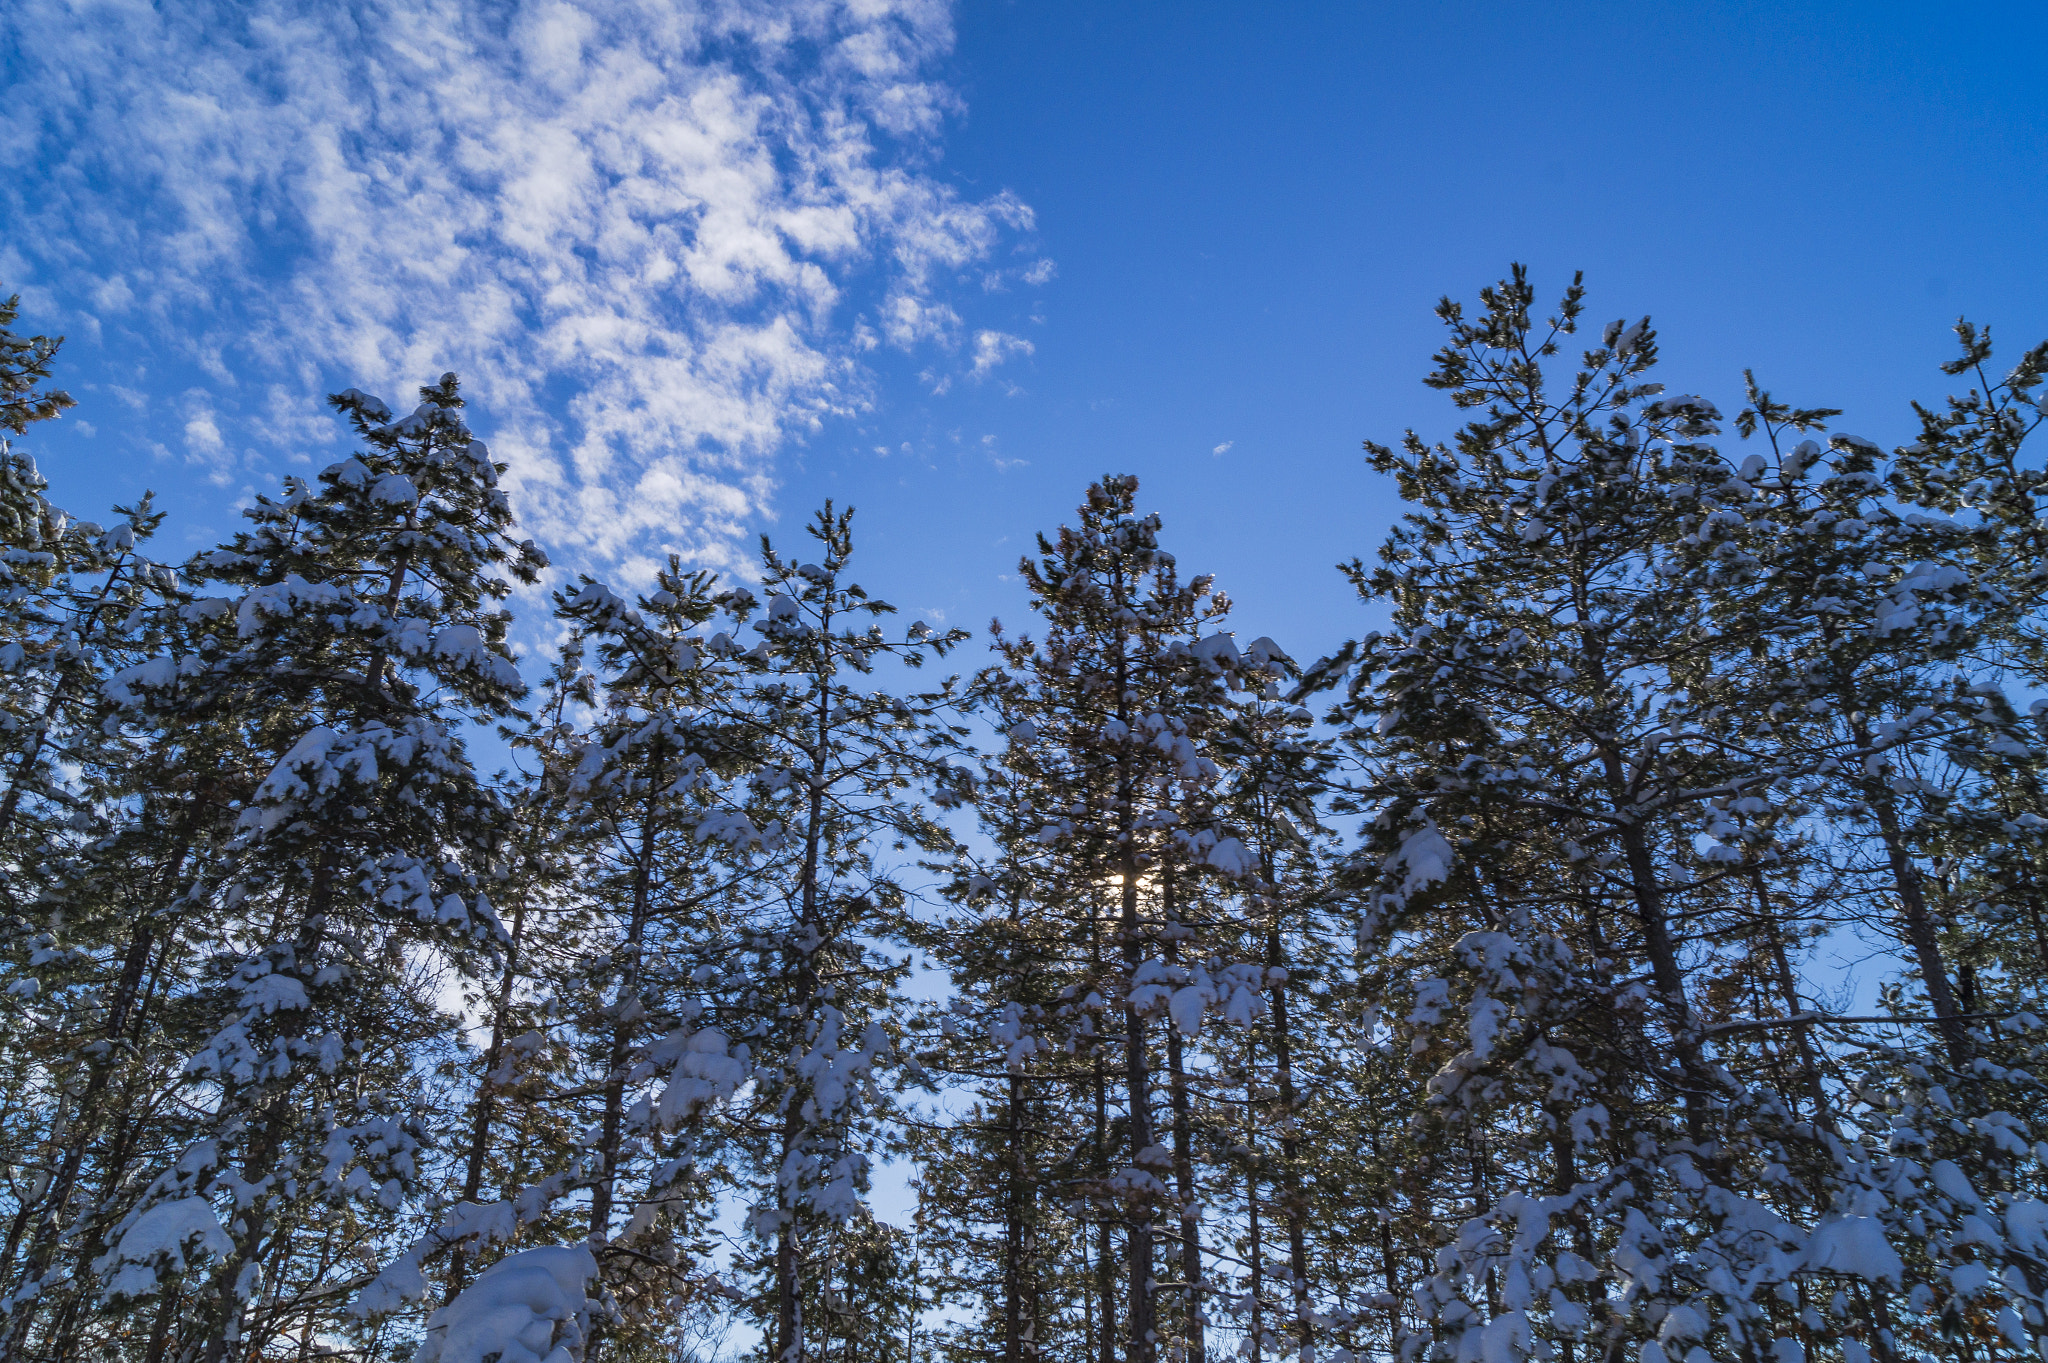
[
  {"x": 1037, "y": 273},
  {"x": 202, "y": 436},
  {"x": 204, "y": 446},
  {"x": 991, "y": 348},
  {"x": 909, "y": 321},
  {"x": 1002, "y": 465},
  {"x": 1223, "y": 449},
  {"x": 654, "y": 236}
]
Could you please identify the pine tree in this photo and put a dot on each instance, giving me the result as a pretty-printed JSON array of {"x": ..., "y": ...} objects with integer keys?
[
  {"x": 1969, "y": 465},
  {"x": 834, "y": 763},
  {"x": 519, "y": 1140},
  {"x": 363, "y": 615},
  {"x": 656, "y": 777},
  {"x": 1545, "y": 918},
  {"x": 1652, "y": 719},
  {"x": 97, "y": 852},
  {"x": 1105, "y": 721},
  {"x": 316, "y": 1037},
  {"x": 92, "y": 862},
  {"x": 25, "y": 363},
  {"x": 1297, "y": 1071}
]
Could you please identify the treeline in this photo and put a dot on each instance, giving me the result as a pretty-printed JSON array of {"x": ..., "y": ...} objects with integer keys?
[{"x": 1472, "y": 994}]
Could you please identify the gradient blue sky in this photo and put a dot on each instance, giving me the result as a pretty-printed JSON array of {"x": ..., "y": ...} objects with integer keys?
[{"x": 1248, "y": 212}]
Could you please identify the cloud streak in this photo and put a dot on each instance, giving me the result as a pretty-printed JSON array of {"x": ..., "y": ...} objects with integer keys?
[{"x": 655, "y": 237}]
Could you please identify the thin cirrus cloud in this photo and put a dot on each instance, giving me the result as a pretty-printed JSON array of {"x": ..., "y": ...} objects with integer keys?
[{"x": 656, "y": 238}]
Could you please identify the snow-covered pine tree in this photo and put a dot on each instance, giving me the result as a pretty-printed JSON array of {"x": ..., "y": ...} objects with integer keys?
[
  {"x": 1867, "y": 619},
  {"x": 94, "y": 851},
  {"x": 24, "y": 365},
  {"x": 1866, "y": 689},
  {"x": 40, "y": 551},
  {"x": 518, "y": 1139},
  {"x": 602, "y": 1067},
  {"x": 738, "y": 806},
  {"x": 60, "y": 582},
  {"x": 1970, "y": 463},
  {"x": 655, "y": 781},
  {"x": 91, "y": 860},
  {"x": 830, "y": 800},
  {"x": 1549, "y": 751},
  {"x": 1106, "y": 716},
  {"x": 1917, "y": 622},
  {"x": 362, "y": 613}
]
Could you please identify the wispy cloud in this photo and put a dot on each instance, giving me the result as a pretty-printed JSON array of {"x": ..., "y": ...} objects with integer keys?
[
  {"x": 1222, "y": 449},
  {"x": 991, "y": 348},
  {"x": 655, "y": 237},
  {"x": 1002, "y": 465}
]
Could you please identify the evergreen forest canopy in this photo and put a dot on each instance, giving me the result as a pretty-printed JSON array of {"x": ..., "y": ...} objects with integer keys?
[{"x": 1464, "y": 996}]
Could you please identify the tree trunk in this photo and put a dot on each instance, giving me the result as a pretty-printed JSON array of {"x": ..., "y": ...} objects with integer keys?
[
  {"x": 1188, "y": 1196},
  {"x": 1143, "y": 1335},
  {"x": 1645, "y": 887},
  {"x": 1256, "y": 1243},
  {"x": 789, "y": 1340},
  {"x": 1665, "y": 971},
  {"x": 1105, "y": 1271},
  {"x": 1921, "y": 933},
  {"x": 1788, "y": 991},
  {"x": 486, "y": 1097},
  {"x": 1293, "y": 1204},
  {"x": 1183, "y": 1152},
  {"x": 1014, "y": 1228},
  {"x": 604, "y": 1191}
]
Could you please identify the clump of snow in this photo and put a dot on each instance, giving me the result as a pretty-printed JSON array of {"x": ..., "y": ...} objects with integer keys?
[
  {"x": 1263, "y": 651},
  {"x": 398, "y": 1285},
  {"x": 2026, "y": 1226},
  {"x": 155, "y": 675},
  {"x": 529, "y": 1307},
  {"x": 395, "y": 489},
  {"x": 705, "y": 1072},
  {"x": 269, "y": 993},
  {"x": 1425, "y": 858},
  {"x": 372, "y": 407},
  {"x": 1231, "y": 857},
  {"x": 1954, "y": 1182},
  {"x": 1855, "y": 1246},
  {"x": 169, "y": 1237},
  {"x": 464, "y": 646},
  {"x": 1219, "y": 651}
]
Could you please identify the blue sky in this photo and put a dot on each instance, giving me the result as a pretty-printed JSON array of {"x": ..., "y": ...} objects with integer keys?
[{"x": 704, "y": 266}]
